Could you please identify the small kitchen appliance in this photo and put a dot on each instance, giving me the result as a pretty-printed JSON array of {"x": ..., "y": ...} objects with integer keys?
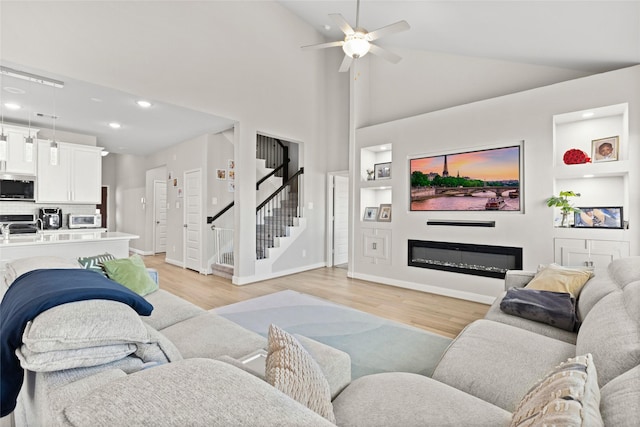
[
  {"x": 51, "y": 218},
  {"x": 85, "y": 220}
]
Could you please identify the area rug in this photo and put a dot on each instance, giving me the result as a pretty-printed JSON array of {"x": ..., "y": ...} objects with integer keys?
[{"x": 374, "y": 344}]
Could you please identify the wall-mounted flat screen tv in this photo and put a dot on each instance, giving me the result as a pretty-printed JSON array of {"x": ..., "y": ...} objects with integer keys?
[{"x": 482, "y": 180}]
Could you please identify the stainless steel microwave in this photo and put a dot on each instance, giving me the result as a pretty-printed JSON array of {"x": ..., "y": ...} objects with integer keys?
[
  {"x": 85, "y": 221},
  {"x": 17, "y": 187}
]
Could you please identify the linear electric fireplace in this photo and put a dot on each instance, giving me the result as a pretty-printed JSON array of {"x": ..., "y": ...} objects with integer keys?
[{"x": 479, "y": 260}]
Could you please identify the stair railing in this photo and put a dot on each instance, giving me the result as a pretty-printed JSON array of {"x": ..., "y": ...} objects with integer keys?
[
  {"x": 276, "y": 156},
  {"x": 223, "y": 246},
  {"x": 277, "y": 213}
]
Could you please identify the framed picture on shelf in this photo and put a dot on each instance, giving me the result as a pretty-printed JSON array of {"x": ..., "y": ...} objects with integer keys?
[
  {"x": 370, "y": 213},
  {"x": 605, "y": 149},
  {"x": 384, "y": 212},
  {"x": 382, "y": 170},
  {"x": 599, "y": 217}
]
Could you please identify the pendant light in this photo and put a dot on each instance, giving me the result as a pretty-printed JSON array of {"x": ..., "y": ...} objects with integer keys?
[
  {"x": 28, "y": 141},
  {"x": 3, "y": 139},
  {"x": 53, "y": 146}
]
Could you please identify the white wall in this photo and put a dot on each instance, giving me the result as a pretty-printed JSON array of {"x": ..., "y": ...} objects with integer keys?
[
  {"x": 429, "y": 81},
  {"x": 504, "y": 120}
]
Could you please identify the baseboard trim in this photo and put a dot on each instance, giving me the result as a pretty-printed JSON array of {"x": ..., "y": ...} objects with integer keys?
[
  {"x": 468, "y": 296},
  {"x": 258, "y": 278},
  {"x": 174, "y": 262}
]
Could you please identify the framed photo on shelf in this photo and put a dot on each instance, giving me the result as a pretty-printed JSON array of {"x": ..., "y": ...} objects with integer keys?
[
  {"x": 382, "y": 170},
  {"x": 384, "y": 212},
  {"x": 605, "y": 149},
  {"x": 370, "y": 213},
  {"x": 599, "y": 217}
]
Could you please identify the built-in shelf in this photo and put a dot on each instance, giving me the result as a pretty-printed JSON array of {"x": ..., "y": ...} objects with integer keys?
[{"x": 600, "y": 183}]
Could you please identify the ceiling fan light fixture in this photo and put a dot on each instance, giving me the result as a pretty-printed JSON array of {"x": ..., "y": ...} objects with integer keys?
[{"x": 355, "y": 45}]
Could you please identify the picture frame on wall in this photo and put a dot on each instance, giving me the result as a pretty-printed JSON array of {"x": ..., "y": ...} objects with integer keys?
[
  {"x": 384, "y": 212},
  {"x": 221, "y": 174},
  {"x": 370, "y": 213},
  {"x": 382, "y": 170},
  {"x": 599, "y": 217},
  {"x": 605, "y": 149}
]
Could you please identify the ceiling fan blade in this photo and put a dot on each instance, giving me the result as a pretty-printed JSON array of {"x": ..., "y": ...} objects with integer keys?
[
  {"x": 389, "y": 29},
  {"x": 389, "y": 56},
  {"x": 342, "y": 23},
  {"x": 346, "y": 63},
  {"x": 323, "y": 45}
]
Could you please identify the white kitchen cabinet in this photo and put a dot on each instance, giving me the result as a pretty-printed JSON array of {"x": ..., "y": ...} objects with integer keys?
[
  {"x": 75, "y": 177},
  {"x": 19, "y": 158}
]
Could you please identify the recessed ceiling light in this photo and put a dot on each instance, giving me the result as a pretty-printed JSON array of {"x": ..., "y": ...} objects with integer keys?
[
  {"x": 588, "y": 176},
  {"x": 96, "y": 99},
  {"x": 104, "y": 153},
  {"x": 588, "y": 114},
  {"x": 12, "y": 106},
  {"x": 115, "y": 125},
  {"x": 14, "y": 90},
  {"x": 144, "y": 104},
  {"x": 327, "y": 27}
]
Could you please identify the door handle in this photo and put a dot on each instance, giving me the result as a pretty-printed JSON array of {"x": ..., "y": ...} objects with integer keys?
[
  {"x": 157, "y": 222},
  {"x": 185, "y": 226}
]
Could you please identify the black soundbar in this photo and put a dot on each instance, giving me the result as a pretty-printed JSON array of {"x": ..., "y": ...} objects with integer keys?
[{"x": 462, "y": 223}]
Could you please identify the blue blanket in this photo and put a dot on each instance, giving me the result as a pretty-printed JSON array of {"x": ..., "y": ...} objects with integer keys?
[{"x": 37, "y": 291}]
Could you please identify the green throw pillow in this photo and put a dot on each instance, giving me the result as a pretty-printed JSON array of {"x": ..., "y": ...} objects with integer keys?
[
  {"x": 132, "y": 273},
  {"x": 94, "y": 263}
]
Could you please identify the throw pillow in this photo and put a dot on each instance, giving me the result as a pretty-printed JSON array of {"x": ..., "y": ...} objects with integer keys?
[
  {"x": 557, "y": 278},
  {"x": 81, "y": 324},
  {"x": 292, "y": 370},
  {"x": 94, "y": 263},
  {"x": 18, "y": 267},
  {"x": 567, "y": 396},
  {"x": 132, "y": 273},
  {"x": 51, "y": 361},
  {"x": 553, "y": 308}
]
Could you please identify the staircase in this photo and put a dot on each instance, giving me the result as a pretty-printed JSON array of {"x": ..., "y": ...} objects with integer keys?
[
  {"x": 280, "y": 211},
  {"x": 278, "y": 214}
]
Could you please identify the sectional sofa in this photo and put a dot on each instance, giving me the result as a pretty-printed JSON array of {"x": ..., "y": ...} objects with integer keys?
[{"x": 184, "y": 366}]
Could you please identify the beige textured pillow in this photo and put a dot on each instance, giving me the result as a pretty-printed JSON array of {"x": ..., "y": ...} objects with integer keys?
[
  {"x": 567, "y": 396},
  {"x": 557, "y": 278},
  {"x": 292, "y": 370}
]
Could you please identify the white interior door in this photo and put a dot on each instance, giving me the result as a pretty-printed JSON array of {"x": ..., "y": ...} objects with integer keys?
[
  {"x": 193, "y": 220},
  {"x": 340, "y": 220},
  {"x": 160, "y": 216}
]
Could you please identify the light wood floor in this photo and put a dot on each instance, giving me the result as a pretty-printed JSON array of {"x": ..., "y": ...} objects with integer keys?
[{"x": 442, "y": 315}]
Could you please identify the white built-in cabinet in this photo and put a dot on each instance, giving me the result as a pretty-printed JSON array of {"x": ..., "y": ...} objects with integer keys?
[
  {"x": 72, "y": 175},
  {"x": 375, "y": 188},
  {"x": 600, "y": 183},
  {"x": 17, "y": 157}
]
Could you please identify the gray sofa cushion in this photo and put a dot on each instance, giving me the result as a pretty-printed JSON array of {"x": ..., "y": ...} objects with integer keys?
[
  {"x": 499, "y": 363},
  {"x": 498, "y": 315},
  {"x": 169, "y": 309},
  {"x": 210, "y": 335},
  {"x": 620, "y": 399},
  {"x": 625, "y": 270},
  {"x": 406, "y": 399},
  {"x": 594, "y": 290},
  {"x": 201, "y": 392},
  {"x": 611, "y": 332}
]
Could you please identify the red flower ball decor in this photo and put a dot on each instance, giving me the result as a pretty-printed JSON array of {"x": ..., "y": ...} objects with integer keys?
[{"x": 575, "y": 156}]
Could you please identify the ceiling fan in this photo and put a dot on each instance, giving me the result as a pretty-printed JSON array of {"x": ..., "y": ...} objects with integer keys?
[{"x": 357, "y": 42}]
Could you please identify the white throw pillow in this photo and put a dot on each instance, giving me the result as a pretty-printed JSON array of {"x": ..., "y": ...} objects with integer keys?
[{"x": 292, "y": 370}]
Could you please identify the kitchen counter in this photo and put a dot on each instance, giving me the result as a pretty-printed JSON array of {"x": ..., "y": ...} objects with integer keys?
[{"x": 71, "y": 245}]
